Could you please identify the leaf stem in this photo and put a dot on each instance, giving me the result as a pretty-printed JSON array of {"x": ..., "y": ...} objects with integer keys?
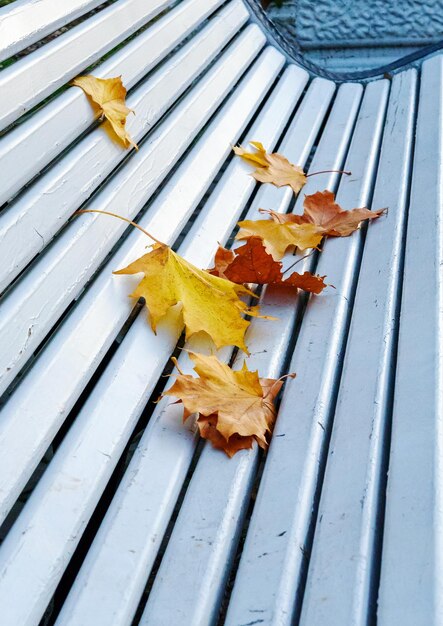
[
  {"x": 125, "y": 219},
  {"x": 293, "y": 375},
  {"x": 299, "y": 260},
  {"x": 175, "y": 361},
  {"x": 329, "y": 172}
]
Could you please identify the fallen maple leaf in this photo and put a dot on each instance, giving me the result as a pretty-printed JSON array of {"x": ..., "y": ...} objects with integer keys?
[
  {"x": 209, "y": 304},
  {"x": 272, "y": 167},
  {"x": 234, "y": 407},
  {"x": 321, "y": 210},
  {"x": 258, "y": 158},
  {"x": 108, "y": 94},
  {"x": 207, "y": 427},
  {"x": 278, "y": 237},
  {"x": 250, "y": 263}
]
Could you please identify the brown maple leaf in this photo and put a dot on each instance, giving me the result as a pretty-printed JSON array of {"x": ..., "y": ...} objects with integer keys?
[
  {"x": 234, "y": 407},
  {"x": 250, "y": 263},
  {"x": 272, "y": 167},
  {"x": 321, "y": 210},
  {"x": 207, "y": 427}
]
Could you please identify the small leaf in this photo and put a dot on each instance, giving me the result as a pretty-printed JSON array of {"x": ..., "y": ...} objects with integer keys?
[
  {"x": 234, "y": 407},
  {"x": 272, "y": 167},
  {"x": 307, "y": 281},
  {"x": 207, "y": 427},
  {"x": 257, "y": 158},
  {"x": 250, "y": 263},
  {"x": 321, "y": 210},
  {"x": 278, "y": 238},
  {"x": 108, "y": 94}
]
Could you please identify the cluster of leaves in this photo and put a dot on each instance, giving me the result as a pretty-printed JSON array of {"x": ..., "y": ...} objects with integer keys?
[
  {"x": 233, "y": 408},
  {"x": 251, "y": 263}
]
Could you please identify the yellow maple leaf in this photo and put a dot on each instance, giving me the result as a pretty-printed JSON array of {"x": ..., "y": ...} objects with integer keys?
[
  {"x": 108, "y": 94},
  {"x": 234, "y": 407},
  {"x": 277, "y": 237},
  {"x": 272, "y": 167},
  {"x": 209, "y": 303},
  {"x": 254, "y": 158}
]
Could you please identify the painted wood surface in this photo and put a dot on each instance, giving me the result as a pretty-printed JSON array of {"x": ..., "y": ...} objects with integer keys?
[
  {"x": 23, "y": 23},
  {"x": 340, "y": 522},
  {"x": 411, "y": 589},
  {"x": 46, "y": 206}
]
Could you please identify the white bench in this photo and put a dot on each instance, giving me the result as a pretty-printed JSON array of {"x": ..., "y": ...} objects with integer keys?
[{"x": 110, "y": 509}]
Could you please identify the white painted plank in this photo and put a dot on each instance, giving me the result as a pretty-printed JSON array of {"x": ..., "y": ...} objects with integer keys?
[
  {"x": 119, "y": 589},
  {"x": 411, "y": 586},
  {"x": 31, "y": 418},
  {"x": 305, "y": 124},
  {"x": 282, "y": 196},
  {"x": 45, "y": 207},
  {"x": 343, "y": 560},
  {"x": 35, "y": 77},
  {"x": 206, "y": 532},
  {"x": 85, "y": 459},
  {"x": 38, "y": 140},
  {"x": 33, "y": 306},
  {"x": 216, "y": 222},
  {"x": 200, "y": 552},
  {"x": 66, "y": 496},
  {"x": 269, "y": 573},
  {"x": 26, "y": 21}
]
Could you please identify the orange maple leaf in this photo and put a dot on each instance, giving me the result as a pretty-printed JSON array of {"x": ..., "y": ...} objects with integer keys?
[
  {"x": 321, "y": 210},
  {"x": 234, "y": 407},
  {"x": 250, "y": 263},
  {"x": 207, "y": 426}
]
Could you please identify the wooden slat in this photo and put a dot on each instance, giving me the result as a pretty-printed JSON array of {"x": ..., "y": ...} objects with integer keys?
[
  {"x": 272, "y": 561},
  {"x": 210, "y": 520},
  {"x": 45, "y": 207},
  {"x": 298, "y": 139},
  {"x": 344, "y": 357},
  {"x": 411, "y": 587},
  {"x": 74, "y": 353},
  {"x": 339, "y": 583},
  {"x": 38, "y": 140},
  {"x": 30, "y": 310},
  {"x": 88, "y": 454},
  {"x": 35, "y": 77},
  {"x": 172, "y": 447},
  {"x": 129, "y": 575},
  {"x": 26, "y": 21}
]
